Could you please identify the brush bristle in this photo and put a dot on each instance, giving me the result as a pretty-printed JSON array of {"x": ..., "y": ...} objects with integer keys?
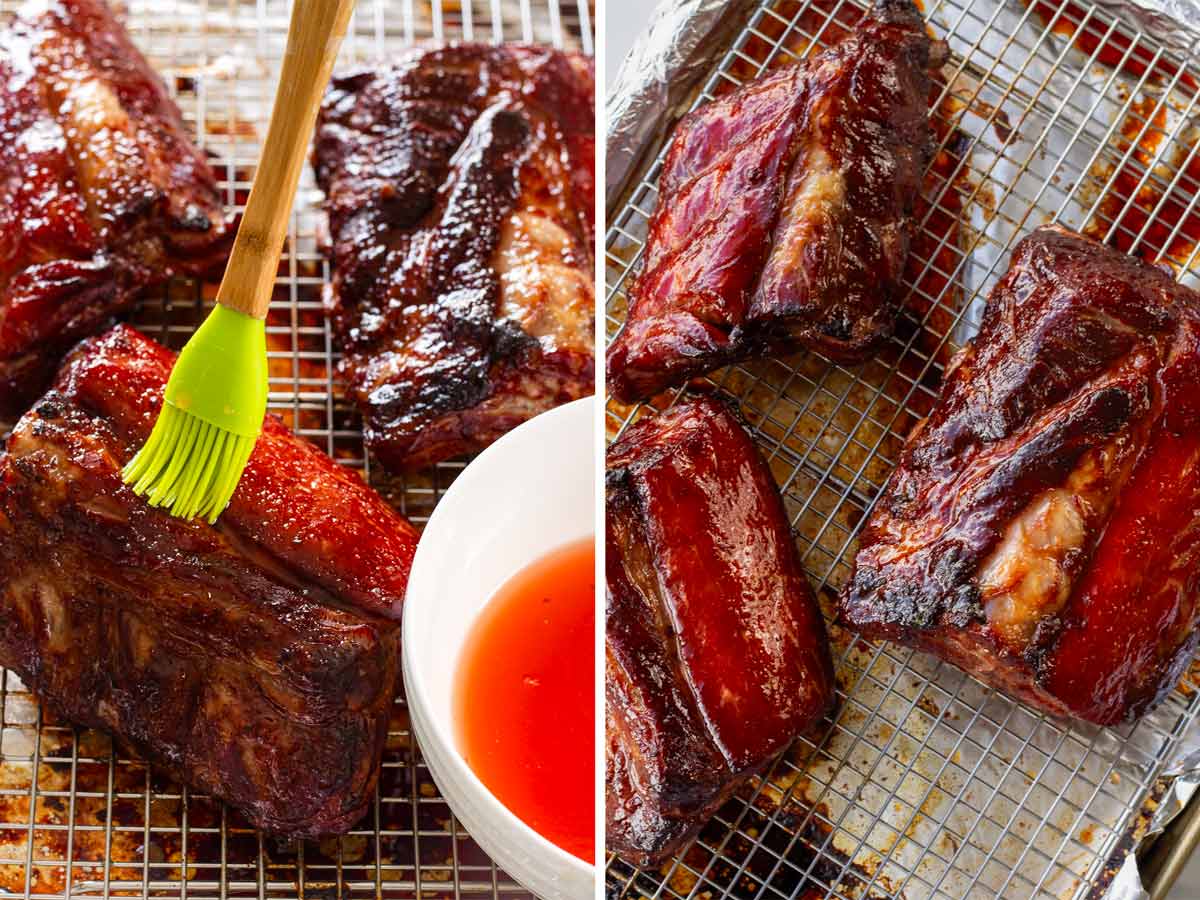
[{"x": 188, "y": 466}]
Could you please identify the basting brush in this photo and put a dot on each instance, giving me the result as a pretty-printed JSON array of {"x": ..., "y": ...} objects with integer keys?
[{"x": 216, "y": 397}]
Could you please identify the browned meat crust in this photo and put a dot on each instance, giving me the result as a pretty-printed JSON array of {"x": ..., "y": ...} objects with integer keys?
[
  {"x": 785, "y": 212},
  {"x": 256, "y": 660},
  {"x": 459, "y": 186},
  {"x": 102, "y": 194},
  {"x": 1041, "y": 529},
  {"x": 715, "y": 652}
]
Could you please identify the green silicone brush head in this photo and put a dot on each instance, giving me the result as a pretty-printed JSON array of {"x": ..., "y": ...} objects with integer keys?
[{"x": 211, "y": 416}]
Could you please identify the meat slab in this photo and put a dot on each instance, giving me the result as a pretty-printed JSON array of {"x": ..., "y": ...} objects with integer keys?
[
  {"x": 785, "y": 211},
  {"x": 715, "y": 651},
  {"x": 256, "y": 660},
  {"x": 1042, "y": 528},
  {"x": 459, "y": 185},
  {"x": 102, "y": 194}
]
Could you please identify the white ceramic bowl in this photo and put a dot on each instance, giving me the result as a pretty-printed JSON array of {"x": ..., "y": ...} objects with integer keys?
[{"x": 527, "y": 494}]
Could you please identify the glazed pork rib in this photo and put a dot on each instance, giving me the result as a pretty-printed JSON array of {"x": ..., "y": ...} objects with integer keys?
[
  {"x": 256, "y": 660},
  {"x": 785, "y": 211},
  {"x": 715, "y": 651},
  {"x": 102, "y": 194},
  {"x": 459, "y": 186},
  {"x": 1042, "y": 528}
]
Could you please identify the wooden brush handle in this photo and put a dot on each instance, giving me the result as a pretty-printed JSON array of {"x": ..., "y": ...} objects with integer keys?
[{"x": 314, "y": 35}]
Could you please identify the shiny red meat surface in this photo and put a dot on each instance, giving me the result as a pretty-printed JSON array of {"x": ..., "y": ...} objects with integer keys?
[
  {"x": 102, "y": 194},
  {"x": 715, "y": 651},
  {"x": 1042, "y": 528},
  {"x": 785, "y": 212},
  {"x": 459, "y": 185},
  {"x": 256, "y": 660}
]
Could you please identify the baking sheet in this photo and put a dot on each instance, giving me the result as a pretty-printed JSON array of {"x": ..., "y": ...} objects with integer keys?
[
  {"x": 82, "y": 818},
  {"x": 926, "y": 783}
]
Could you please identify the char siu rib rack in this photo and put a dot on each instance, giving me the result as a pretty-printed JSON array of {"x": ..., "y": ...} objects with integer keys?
[
  {"x": 715, "y": 651},
  {"x": 785, "y": 211},
  {"x": 102, "y": 194},
  {"x": 256, "y": 660},
  {"x": 459, "y": 191},
  {"x": 1041, "y": 527}
]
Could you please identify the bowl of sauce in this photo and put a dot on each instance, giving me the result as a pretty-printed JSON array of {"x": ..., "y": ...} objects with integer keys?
[
  {"x": 499, "y": 651},
  {"x": 525, "y": 692}
]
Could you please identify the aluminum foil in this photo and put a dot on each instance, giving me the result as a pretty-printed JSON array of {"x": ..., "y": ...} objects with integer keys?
[
  {"x": 679, "y": 45},
  {"x": 1174, "y": 23},
  {"x": 684, "y": 40}
]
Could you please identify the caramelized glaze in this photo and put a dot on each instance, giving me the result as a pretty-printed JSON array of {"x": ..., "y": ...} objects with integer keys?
[{"x": 459, "y": 186}]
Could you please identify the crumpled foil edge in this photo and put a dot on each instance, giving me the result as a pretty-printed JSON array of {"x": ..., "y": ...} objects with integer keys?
[
  {"x": 1173, "y": 23},
  {"x": 1184, "y": 770}
]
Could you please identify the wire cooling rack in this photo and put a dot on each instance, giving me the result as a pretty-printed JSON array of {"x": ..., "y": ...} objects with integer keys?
[
  {"x": 78, "y": 816},
  {"x": 926, "y": 783}
]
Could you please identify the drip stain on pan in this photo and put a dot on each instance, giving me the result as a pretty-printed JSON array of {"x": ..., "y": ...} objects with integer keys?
[
  {"x": 1094, "y": 42},
  {"x": 779, "y": 847},
  {"x": 148, "y": 829},
  {"x": 1136, "y": 213},
  {"x": 1156, "y": 142}
]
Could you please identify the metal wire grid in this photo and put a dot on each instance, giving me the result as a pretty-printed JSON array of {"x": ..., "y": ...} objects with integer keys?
[
  {"x": 927, "y": 783},
  {"x": 78, "y": 816}
]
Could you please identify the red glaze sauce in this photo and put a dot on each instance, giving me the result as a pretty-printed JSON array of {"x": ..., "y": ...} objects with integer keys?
[{"x": 525, "y": 697}]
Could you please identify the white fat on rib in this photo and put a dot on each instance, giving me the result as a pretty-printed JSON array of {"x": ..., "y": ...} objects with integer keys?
[
  {"x": 1027, "y": 576},
  {"x": 101, "y": 139},
  {"x": 540, "y": 287},
  {"x": 816, "y": 198}
]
